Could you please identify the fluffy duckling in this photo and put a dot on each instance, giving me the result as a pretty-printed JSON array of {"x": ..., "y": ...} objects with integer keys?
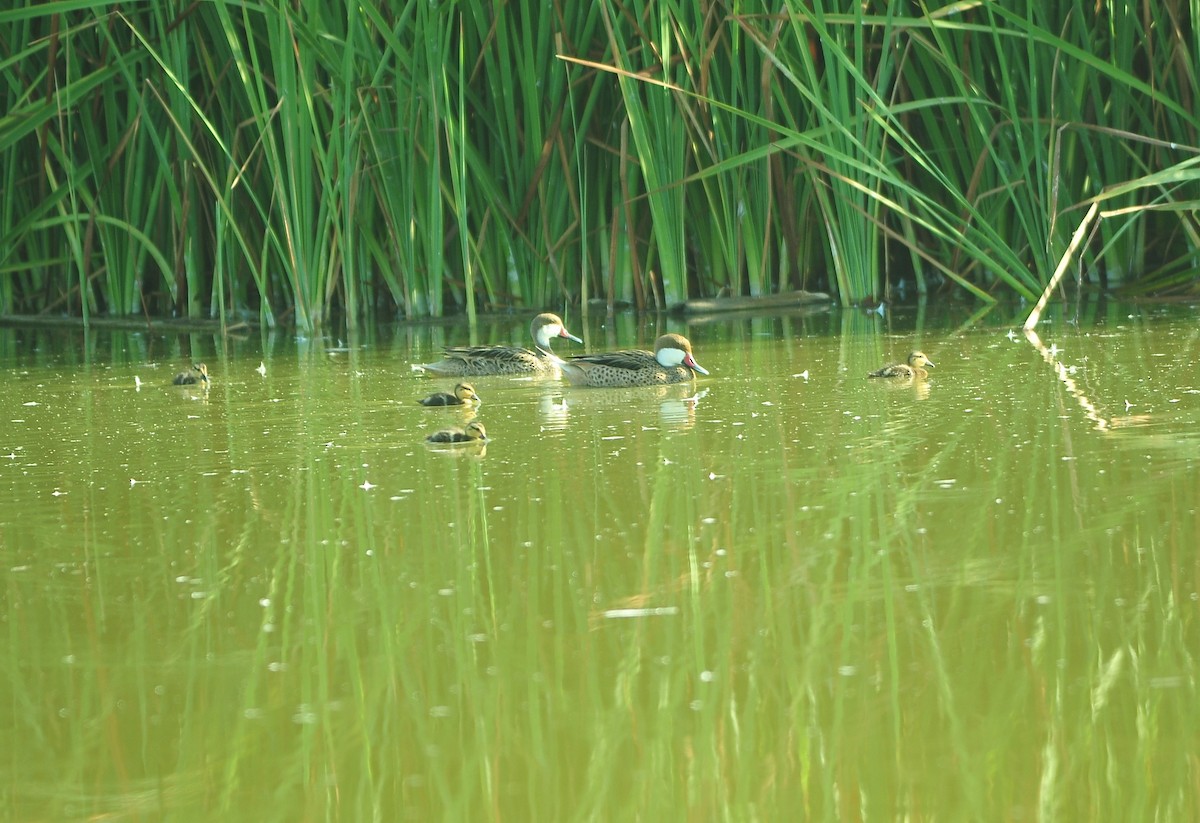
[
  {"x": 915, "y": 367},
  {"x": 463, "y": 393},
  {"x": 197, "y": 374},
  {"x": 473, "y": 433}
]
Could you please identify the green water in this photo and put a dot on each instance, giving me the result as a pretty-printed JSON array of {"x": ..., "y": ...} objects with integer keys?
[{"x": 786, "y": 593}]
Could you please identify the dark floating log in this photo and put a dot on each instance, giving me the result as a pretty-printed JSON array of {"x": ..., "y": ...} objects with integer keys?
[
  {"x": 151, "y": 324},
  {"x": 766, "y": 302}
]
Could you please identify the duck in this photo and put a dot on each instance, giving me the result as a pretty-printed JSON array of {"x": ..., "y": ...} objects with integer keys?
[
  {"x": 473, "y": 433},
  {"x": 671, "y": 362},
  {"x": 915, "y": 367},
  {"x": 198, "y": 373},
  {"x": 464, "y": 393},
  {"x": 477, "y": 360}
]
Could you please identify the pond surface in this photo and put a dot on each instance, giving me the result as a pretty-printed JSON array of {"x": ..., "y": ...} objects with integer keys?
[{"x": 787, "y": 592}]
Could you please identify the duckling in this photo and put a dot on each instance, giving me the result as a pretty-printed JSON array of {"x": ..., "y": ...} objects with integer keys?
[
  {"x": 473, "y": 433},
  {"x": 464, "y": 393},
  {"x": 915, "y": 367},
  {"x": 197, "y": 374}
]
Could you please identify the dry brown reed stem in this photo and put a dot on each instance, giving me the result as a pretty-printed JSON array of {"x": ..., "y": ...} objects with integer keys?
[{"x": 1076, "y": 239}]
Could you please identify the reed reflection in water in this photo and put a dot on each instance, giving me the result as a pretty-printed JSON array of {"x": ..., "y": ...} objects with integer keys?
[{"x": 785, "y": 587}]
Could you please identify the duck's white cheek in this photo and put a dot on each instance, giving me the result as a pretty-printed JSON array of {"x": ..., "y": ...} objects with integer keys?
[{"x": 669, "y": 358}]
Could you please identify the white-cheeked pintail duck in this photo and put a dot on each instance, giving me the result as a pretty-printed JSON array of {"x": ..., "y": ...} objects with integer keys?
[
  {"x": 477, "y": 360},
  {"x": 671, "y": 362}
]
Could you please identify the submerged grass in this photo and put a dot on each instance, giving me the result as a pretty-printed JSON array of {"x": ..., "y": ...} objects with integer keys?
[
  {"x": 772, "y": 606},
  {"x": 294, "y": 163}
]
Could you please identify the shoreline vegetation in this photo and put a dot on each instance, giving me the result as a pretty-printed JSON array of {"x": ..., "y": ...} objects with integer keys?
[
  {"x": 722, "y": 304},
  {"x": 338, "y": 162}
]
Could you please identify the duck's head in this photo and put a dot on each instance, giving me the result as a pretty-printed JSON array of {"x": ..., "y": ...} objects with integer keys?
[
  {"x": 201, "y": 371},
  {"x": 475, "y": 431},
  {"x": 547, "y": 326},
  {"x": 671, "y": 350},
  {"x": 466, "y": 393},
  {"x": 918, "y": 360}
]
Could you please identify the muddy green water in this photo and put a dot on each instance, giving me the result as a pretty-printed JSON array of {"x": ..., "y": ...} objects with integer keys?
[{"x": 786, "y": 593}]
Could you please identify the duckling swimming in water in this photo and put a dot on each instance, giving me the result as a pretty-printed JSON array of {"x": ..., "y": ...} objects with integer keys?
[
  {"x": 915, "y": 367},
  {"x": 464, "y": 393},
  {"x": 473, "y": 433},
  {"x": 197, "y": 374}
]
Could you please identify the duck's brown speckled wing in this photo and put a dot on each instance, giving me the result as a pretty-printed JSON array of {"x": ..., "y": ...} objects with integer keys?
[
  {"x": 481, "y": 360},
  {"x": 631, "y": 359},
  {"x": 470, "y": 353},
  {"x": 894, "y": 370}
]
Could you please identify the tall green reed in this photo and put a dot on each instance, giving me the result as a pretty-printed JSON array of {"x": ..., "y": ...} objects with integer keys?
[
  {"x": 318, "y": 163},
  {"x": 657, "y": 129},
  {"x": 842, "y": 79}
]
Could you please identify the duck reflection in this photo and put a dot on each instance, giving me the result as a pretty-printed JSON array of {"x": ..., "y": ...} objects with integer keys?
[
  {"x": 553, "y": 411},
  {"x": 676, "y": 404}
]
